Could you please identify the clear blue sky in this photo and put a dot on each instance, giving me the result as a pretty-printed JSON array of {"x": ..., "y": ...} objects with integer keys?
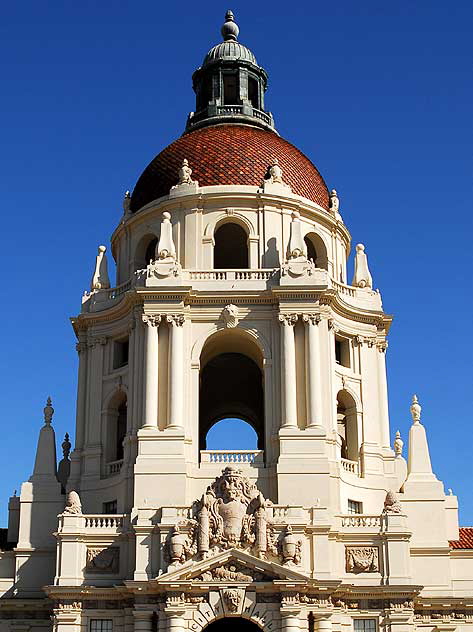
[{"x": 379, "y": 96}]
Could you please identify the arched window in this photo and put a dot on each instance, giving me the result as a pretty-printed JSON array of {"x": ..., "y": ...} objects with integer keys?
[
  {"x": 115, "y": 429},
  {"x": 145, "y": 251},
  {"x": 150, "y": 254},
  {"x": 316, "y": 250},
  {"x": 231, "y": 389},
  {"x": 347, "y": 426},
  {"x": 231, "y": 247}
]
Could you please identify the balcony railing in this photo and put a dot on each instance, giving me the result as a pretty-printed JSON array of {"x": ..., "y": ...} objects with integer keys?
[
  {"x": 231, "y": 456},
  {"x": 361, "y": 520},
  {"x": 114, "y": 467},
  {"x": 260, "y": 274},
  {"x": 105, "y": 521},
  {"x": 351, "y": 466}
]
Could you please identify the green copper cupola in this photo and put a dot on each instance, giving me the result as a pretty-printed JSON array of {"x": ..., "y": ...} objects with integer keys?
[{"x": 230, "y": 86}]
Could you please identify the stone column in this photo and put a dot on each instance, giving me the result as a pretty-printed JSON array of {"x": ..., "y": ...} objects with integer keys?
[
  {"x": 176, "y": 370},
  {"x": 81, "y": 348},
  {"x": 176, "y": 621},
  {"x": 290, "y": 621},
  {"x": 313, "y": 372},
  {"x": 67, "y": 618},
  {"x": 152, "y": 367},
  {"x": 143, "y": 620},
  {"x": 323, "y": 625},
  {"x": 383, "y": 395},
  {"x": 288, "y": 370}
]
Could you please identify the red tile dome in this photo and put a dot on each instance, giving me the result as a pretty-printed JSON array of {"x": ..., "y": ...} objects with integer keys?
[{"x": 229, "y": 154}]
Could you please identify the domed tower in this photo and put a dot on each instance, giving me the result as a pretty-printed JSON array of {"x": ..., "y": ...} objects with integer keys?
[{"x": 232, "y": 302}]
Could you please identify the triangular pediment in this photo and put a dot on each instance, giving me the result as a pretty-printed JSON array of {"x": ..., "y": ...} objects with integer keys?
[{"x": 233, "y": 566}]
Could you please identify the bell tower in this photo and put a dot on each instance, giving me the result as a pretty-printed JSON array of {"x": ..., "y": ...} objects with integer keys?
[{"x": 232, "y": 302}]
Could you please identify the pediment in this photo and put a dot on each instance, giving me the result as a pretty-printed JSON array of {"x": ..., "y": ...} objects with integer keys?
[{"x": 232, "y": 566}]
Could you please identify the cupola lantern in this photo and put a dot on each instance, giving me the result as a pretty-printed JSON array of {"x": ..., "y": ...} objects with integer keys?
[{"x": 230, "y": 86}]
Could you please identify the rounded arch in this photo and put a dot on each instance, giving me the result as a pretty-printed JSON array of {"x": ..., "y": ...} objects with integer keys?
[
  {"x": 316, "y": 250},
  {"x": 347, "y": 425},
  {"x": 116, "y": 416},
  {"x": 231, "y": 246},
  {"x": 254, "y": 337},
  {"x": 242, "y": 622},
  {"x": 236, "y": 218},
  {"x": 145, "y": 251},
  {"x": 231, "y": 383}
]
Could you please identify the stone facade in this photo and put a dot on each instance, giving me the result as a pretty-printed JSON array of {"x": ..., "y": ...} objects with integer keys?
[{"x": 325, "y": 526}]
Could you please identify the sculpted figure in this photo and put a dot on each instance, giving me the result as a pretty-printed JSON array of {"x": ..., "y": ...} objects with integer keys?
[
  {"x": 391, "y": 503},
  {"x": 185, "y": 173},
  {"x": 334, "y": 201},
  {"x": 230, "y": 316},
  {"x": 73, "y": 504},
  {"x": 275, "y": 171},
  {"x": 231, "y": 514}
]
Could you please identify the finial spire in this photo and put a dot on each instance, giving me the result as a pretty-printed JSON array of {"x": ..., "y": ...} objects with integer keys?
[
  {"x": 230, "y": 29},
  {"x": 415, "y": 410},
  {"x": 48, "y": 411}
]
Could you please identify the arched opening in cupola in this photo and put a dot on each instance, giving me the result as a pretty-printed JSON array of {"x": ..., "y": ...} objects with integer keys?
[
  {"x": 231, "y": 392},
  {"x": 145, "y": 251},
  {"x": 347, "y": 426},
  {"x": 316, "y": 250},
  {"x": 116, "y": 427},
  {"x": 231, "y": 246}
]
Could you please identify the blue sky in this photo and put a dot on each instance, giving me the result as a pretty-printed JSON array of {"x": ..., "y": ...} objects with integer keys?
[{"x": 377, "y": 94}]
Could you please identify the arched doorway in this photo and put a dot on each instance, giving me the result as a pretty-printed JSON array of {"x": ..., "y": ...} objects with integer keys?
[
  {"x": 231, "y": 247},
  {"x": 231, "y": 385},
  {"x": 228, "y": 624}
]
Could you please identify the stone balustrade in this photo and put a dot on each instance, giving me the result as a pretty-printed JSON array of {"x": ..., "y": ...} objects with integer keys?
[
  {"x": 114, "y": 467},
  {"x": 232, "y": 456},
  {"x": 357, "y": 521},
  {"x": 351, "y": 466},
  {"x": 104, "y": 521}
]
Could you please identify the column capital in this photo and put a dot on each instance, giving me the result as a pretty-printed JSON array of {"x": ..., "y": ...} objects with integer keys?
[
  {"x": 311, "y": 319},
  {"x": 382, "y": 346},
  {"x": 81, "y": 347},
  {"x": 152, "y": 320},
  {"x": 97, "y": 340},
  {"x": 332, "y": 325},
  {"x": 288, "y": 319},
  {"x": 175, "y": 320}
]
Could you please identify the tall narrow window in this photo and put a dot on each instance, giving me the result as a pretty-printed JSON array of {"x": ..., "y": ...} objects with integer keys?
[
  {"x": 121, "y": 431},
  {"x": 253, "y": 92},
  {"x": 231, "y": 247},
  {"x": 230, "y": 89},
  {"x": 150, "y": 254}
]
